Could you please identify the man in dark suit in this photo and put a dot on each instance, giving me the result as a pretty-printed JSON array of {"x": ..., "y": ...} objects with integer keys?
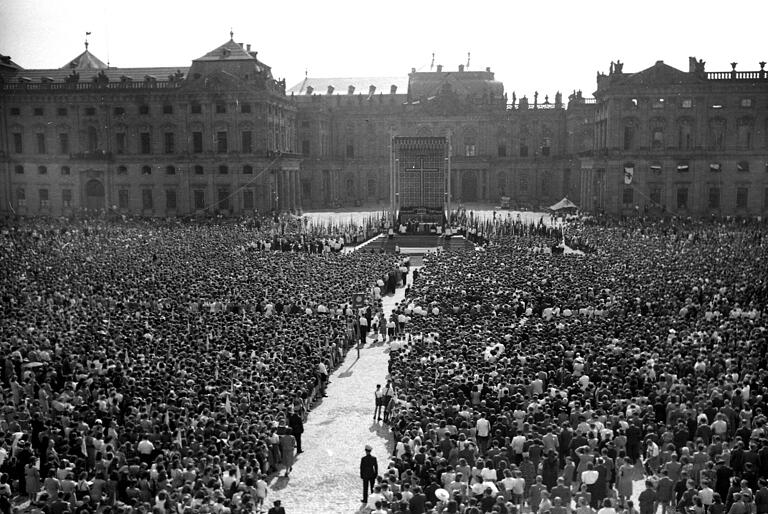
[
  {"x": 369, "y": 469},
  {"x": 297, "y": 427}
]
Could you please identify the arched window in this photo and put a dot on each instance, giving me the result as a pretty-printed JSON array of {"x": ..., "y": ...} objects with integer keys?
[
  {"x": 198, "y": 170},
  {"x": 93, "y": 139},
  {"x": 630, "y": 133},
  {"x": 146, "y": 170},
  {"x": 657, "y": 133},
  {"x": 42, "y": 170},
  {"x": 122, "y": 170},
  {"x": 717, "y": 128},
  {"x": 745, "y": 129},
  {"x": 684, "y": 134}
]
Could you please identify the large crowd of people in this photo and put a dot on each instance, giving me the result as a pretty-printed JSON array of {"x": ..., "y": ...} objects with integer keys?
[
  {"x": 166, "y": 366},
  {"x": 537, "y": 382}
]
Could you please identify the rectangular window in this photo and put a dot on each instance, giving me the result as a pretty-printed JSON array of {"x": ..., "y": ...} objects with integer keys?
[
  {"x": 221, "y": 142},
  {"x": 502, "y": 151},
  {"x": 470, "y": 150},
  {"x": 657, "y": 143},
  {"x": 687, "y": 103},
  {"x": 245, "y": 108},
  {"x": 629, "y": 137},
  {"x": 247, "y": 141},
  {"x": 15, "y": 111},
  {"x": 144, "y": 109},
  {"x": 119, "y": 111},
  {"x": 199, "y": 170},
  {"x": 523, "y": 150},
  {"x": 682, "y": 198},
  {"x": 18, "y": 144},
  {"x": 64, "y": 143},
  {"x": 170, "y": 199},
  {"x": 62, "y": 111},
  {"x": 221, "y": 108},
  {"x": 350, "y": 151},
  {"x": 169, "y": 140},
  {"x": 38, "y": 111},
  {"x": 305, "y": 147},
  {"x": 223, "y": 199},
  {"x": 545, "y": 150},
  {"x": 742, "y": 197},
  {"x": 746, "y": 102},
  {"x": 658, "y": 103},
  {"x": 167, "y": 109},
  {"x": 628, "y": 197},
  {"x": 120, "y": 143},
  {"x": 196, "y": 108},
  {"x": 248, "y": 200},
  {"x": 197, "y": 142},
  {"x": 21, "y": 197},
  {"x": 40, "y": 143},
  {"x": 90, "y": 111},
  {"x": 714, "y": 197},
  {"x": 199, "y": 199},
  {"x": 655, "y": 196},
  {"x": 146, "y": 199},
  {"x": 144, "y": 143},
  {"x": 43, "y": 194},
  {"x": 124, "y": 199},
  {"x": 66, "y": 198}
]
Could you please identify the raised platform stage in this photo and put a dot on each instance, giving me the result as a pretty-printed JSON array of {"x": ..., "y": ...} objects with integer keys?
[{"x": 418, "y": 244}]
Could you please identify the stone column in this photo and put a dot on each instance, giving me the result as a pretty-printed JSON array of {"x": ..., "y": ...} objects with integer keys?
[{"x": 296, "y": 185}]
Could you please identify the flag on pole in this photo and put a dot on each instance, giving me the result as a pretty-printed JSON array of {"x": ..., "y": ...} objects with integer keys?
[{"x": 227, "y": 405}]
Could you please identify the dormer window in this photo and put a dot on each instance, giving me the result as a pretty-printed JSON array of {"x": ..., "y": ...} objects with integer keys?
[
  {"x": 687, "y": 103},
  {"x": 746, "y": 102},
  {"x": 658, "y": 103}
]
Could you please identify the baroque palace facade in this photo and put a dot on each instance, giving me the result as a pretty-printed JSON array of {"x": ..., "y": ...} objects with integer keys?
[{"x": 224, "y": 136}]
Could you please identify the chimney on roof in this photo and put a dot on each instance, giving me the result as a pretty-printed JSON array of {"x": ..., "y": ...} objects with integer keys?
[
  {"x": 461, "y": 67},
  {"x": 310, "y": 89},
  {"x": 242, "y": 45},
  {"x": 439, "y": 68},
  {"x": 248, "y": 47},
  {"x": 371, "y": 89},
  {"x": 351, "y": 90},
  {"x": 413, "y": 70},
  {"x": 393, "y": 89},
  {"x": 330, "y": 90},
  {"x": 488, "y": 69}
]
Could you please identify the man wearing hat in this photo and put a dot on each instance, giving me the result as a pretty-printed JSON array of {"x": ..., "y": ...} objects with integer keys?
[
  {"x": 277, "y": 509},
  {"x": 369, "y": 469}
]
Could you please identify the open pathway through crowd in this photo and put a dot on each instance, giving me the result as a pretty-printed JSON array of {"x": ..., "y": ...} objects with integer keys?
[{"x": 326, "y": 475}]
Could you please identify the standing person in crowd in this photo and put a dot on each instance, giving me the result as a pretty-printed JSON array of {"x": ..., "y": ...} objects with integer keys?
[
  {"x": 378, "y": 397},
  {"x": 296, "y": 425}
]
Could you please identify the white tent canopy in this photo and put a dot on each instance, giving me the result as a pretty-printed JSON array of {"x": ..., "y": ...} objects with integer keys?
[{"x": 565, "y": 203}]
